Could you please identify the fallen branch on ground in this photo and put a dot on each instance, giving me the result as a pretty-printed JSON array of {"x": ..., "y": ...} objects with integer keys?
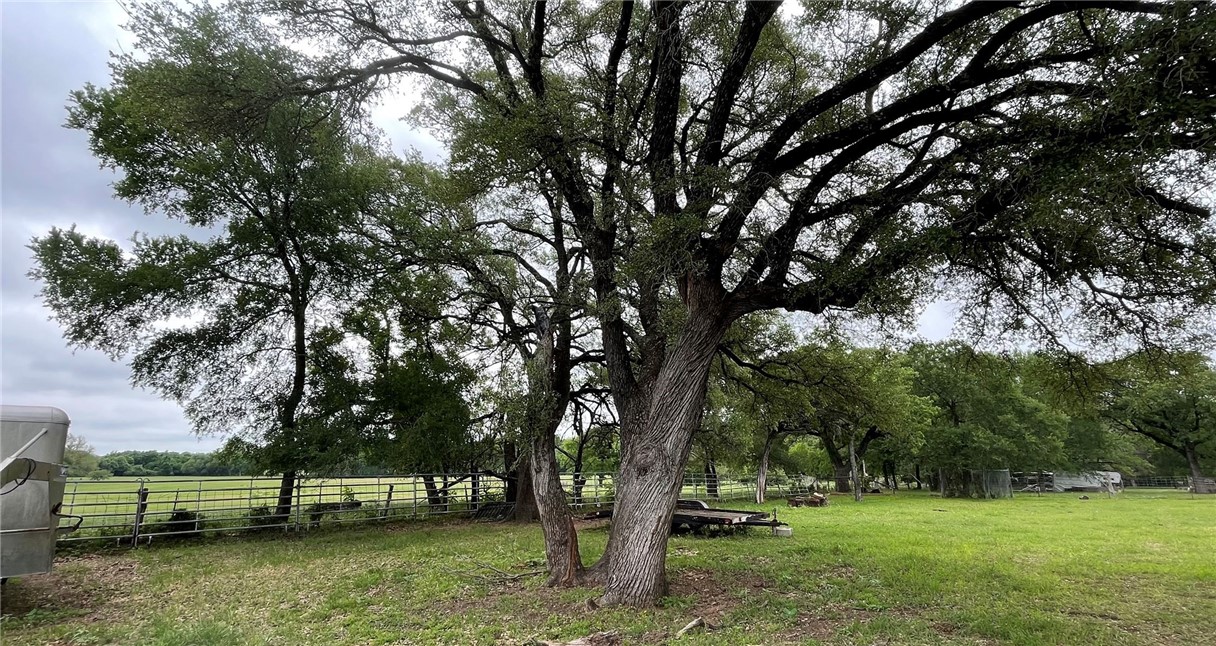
[{"x": 500, "y": 576}]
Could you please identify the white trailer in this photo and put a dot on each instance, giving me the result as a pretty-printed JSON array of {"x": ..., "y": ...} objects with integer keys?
[
  {"x": 32, "y": 479},
  {"x": 1088, "y": 481}
]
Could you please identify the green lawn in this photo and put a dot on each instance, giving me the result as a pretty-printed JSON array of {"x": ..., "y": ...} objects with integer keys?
[{"x": 905, "y": 569}]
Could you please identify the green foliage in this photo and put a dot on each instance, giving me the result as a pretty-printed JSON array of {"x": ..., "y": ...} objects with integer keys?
[
  {"x": 984, "y": 419},
  {"x": 822, "y": 388},
  {"x": 100, "y": 474},
  {"x": 1169, "y": 399},
  {"x": 170, "y": 463},
  {"x": 252, "y": 320},
  {"x": 808, "y": 458},
  {"x": 80, "y": 458}
]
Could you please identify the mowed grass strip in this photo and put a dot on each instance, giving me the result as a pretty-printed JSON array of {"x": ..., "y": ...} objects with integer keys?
[{"x": 902, "y": 569}]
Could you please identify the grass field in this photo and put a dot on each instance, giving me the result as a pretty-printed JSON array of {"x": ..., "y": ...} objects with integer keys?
[{"x": 904, "y": 569}]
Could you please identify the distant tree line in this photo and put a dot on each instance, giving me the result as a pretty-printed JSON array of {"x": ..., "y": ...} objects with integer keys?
[
  {"x": 172, "y": 463},
  {"x": 83, "y": 462}
]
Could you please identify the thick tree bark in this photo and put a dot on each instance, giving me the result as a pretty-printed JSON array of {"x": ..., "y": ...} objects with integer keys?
[
  {"x": 561, "y": 539},
  {"x": 1197, "y": 476},
  {"x": 762, "y": 472},
  {"x": 652, "y": 466},
  {"x": 520, "y": 489}
]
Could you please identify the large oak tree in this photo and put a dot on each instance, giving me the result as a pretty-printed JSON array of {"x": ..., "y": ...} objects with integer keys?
[{"x": 1039, "y": 159}]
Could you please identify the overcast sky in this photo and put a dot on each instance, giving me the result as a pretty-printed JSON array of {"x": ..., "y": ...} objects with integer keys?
[{"x": 50, "y": 179}]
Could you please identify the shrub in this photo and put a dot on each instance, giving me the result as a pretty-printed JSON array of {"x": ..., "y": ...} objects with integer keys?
[
  {"x": 182, "y": 524},
  {"x": 262, "y": 518},
  {"x": 99, "y": 474}
]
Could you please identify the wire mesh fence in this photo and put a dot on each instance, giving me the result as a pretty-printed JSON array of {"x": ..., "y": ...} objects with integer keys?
[
  {"x": 1163, "y": 482},
  {"x": 130, "y": 511}
]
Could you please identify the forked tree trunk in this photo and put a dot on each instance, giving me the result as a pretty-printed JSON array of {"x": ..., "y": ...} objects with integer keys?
[
  {"x": 436, "y": 497},
  {"x": 1199, "y": 483},
  {"x": 654, "y": 454}
]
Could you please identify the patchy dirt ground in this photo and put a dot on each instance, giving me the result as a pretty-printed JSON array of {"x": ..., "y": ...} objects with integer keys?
[{"x": 92, "y": 586}]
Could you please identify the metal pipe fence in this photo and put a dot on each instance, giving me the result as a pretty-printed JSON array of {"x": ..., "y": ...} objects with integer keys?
[
  {"x": 141, "y": 510},
  {"x": 1162, "y": 482}
]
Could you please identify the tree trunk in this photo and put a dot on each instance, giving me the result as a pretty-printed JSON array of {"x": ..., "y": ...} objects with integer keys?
[
  {"x": 654, "y": 454},
  {"x": 287, "y": 485},
  {"x": 520, "y": 489},
  {"x": 510, "y": 457},
  {"x": 1198, "y": 482},
  {"x": 856, "y": 477},
  {"x": 711, "y": 480},
  {"x": 526, "y": 510},
  {"x": 762, "y": 472},
  {"x": 578, "y": 481},
  {"x": 436, "y": 497},
  {"x": 561, "y": 539},
  {"x": 843, "y": 476},
  {"x": 918, "y": 477}
]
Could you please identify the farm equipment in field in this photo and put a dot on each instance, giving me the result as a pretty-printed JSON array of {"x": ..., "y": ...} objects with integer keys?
[
  {"x": 694, "y": 515},
  {"x": 32, "y": 480}
]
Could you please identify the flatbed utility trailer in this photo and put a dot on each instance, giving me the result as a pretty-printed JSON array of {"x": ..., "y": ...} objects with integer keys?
[{"x": 691, "y": 515}]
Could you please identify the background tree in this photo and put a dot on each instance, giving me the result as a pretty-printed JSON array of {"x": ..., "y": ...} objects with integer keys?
[
  {"x": 1005, "y": 412},
  {"x": 1170, "y": 400},
  {"x": 224, "y": 322},
  {"x": 79, "y": 457},
  {"x": 857, "y": 396}
]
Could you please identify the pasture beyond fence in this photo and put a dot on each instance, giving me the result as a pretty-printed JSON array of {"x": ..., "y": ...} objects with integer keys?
[{"x": 135, "y": 510}]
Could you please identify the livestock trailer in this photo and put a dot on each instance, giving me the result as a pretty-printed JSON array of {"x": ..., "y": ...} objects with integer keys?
[{"x": 32, "y": 480}]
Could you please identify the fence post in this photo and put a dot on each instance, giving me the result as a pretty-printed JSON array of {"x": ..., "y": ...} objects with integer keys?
[
  {"x": 299, "y": 501},
  {"x": 388, "y": 502},
  {"x": 140, "y": 507}
]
